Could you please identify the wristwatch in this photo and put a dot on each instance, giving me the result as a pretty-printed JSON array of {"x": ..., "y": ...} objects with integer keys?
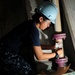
[{"x": 57, "y": 55}]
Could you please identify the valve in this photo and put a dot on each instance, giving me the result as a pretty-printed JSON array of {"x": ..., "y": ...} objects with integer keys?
[
  {"x": 59, "y": 36},
  {"x": 61, "y": 61}
]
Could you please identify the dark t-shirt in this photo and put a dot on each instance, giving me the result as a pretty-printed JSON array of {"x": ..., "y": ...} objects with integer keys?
[
  {"x": 21, "y": 40},
  {"x": 25, "y": 34}
]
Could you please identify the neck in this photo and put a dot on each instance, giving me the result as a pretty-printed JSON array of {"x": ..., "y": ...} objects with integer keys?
[{"x": 37, "y": 25}]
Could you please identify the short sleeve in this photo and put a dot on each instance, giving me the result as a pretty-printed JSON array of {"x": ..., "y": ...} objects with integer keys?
[{"x": 34, "y": 34}]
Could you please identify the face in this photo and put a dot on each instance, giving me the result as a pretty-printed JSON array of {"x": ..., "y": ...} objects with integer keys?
[{"x": 44, "y": 24}]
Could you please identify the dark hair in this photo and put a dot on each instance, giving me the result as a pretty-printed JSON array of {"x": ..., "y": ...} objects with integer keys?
[{"x": 37, "y": 15}]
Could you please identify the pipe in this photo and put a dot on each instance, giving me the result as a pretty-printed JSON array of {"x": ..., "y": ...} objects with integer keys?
[{"x": 58, "y": 27}]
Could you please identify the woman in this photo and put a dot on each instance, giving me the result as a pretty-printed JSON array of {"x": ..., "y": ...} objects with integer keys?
[{"x": 26, "y": 37}]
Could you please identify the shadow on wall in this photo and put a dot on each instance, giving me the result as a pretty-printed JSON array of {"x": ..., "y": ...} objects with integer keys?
[
  {"x": 11, "y": 14},
  {"x": 46, "y": 38}
]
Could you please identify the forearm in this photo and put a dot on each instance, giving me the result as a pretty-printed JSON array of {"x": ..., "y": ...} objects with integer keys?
[
  {"x": 47, "y": 56},
  {"x": 40, "y": 55}
]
